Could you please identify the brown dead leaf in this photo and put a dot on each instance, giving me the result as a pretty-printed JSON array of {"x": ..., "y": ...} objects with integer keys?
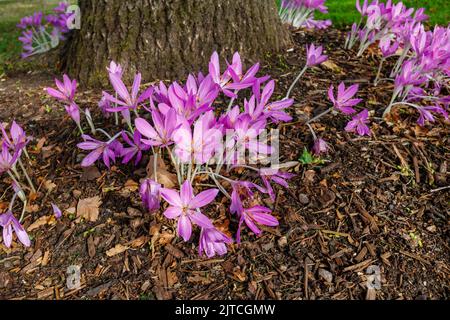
[
  {"x": 42, "y": 221},
  {"x": 329, "y": 64},
  {"x": 131, "y": 185},
  {"x": 136, "y": 243},
  {"x": 166, "y": 178},
  {"x": 119, "y": 248},
  {"x": 90, "y": 173},
  {"x": 89, "y": 208},
  {"x": 49, "y": 185},
  {"x": 40, "y": 144}
]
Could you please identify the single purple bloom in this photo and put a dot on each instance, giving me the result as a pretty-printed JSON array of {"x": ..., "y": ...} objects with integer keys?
[
  {"x": 184, "y": 206},
  {"x": 253, "y": 216},
  {"x": 162, "y": 132},
  {"x": 129, "y": 100},
  {"x": 135, "y": 149},
  {"x": 99, "y": 148},
  {"x": 344, "y": 102},
  {"x": 56, "y": 211},
  {"x": 213, "y": 242},
  {"x": 279, "y": 177},
  {"x": 314, "y": 55},
  {"x": 66, "y": 89},
  {"x": 150, "y": 195},
  {"x": 320, "y": 146},
  {"x": 10, "y": 224},
  {"x": 358, "y": 123},
  {"x": 74, "y": 112}
]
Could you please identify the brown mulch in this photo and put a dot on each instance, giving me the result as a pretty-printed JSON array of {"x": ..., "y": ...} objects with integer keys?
[{"x": 375, "y": 201}]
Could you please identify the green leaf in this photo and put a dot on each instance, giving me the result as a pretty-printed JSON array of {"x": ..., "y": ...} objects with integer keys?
[{"x": 306, "y": 157}]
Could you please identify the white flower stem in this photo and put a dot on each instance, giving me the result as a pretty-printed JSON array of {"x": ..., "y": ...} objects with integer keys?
[{"x": 295, "y": 81}]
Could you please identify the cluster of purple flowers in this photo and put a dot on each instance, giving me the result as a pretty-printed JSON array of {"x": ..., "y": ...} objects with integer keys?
[
  {"x": 423, "y": 57},
  {"x": 300, "y": 13},
  {"x": 183, "y": 124},
  {"x": 13, "y": 146},
  {"x": 40, "y": 34}
]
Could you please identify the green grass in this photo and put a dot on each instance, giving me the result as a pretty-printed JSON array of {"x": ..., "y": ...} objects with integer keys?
[{"x": 343, "y": 12}]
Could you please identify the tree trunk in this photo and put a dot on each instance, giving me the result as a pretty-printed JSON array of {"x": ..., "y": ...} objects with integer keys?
[{"x": 164, "y": 39}]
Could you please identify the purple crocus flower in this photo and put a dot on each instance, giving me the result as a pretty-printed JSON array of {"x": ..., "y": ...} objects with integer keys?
[
  {"x": 279, "y": 177},
  {"x": 99, "y": 148},
  {"x": 344, "y": 102},
  {"x": 74, "y": 112},
  {"x": 7, "y": 161},
  {"x": 129, "y": 100},
  {"x": 66, "y": 89},
  {"x": 320, "y": 146},
  {"x": 253, "y": 216},
  {"x": 150, "y": 194},
  {"x": 162, "y": 132},
  {"x": 10, "y": 224},
  {"x": 213, "y": 242},
  {"x": 314, "y": 55},
  {"x": 273, "y": 110},
  {"x": 18, "y": 138},
  {"x": 358, "y": 123},
  {"x": 184, "y": 206},
  {"x": 56, "y": 211},
  {"x": 135, "y": 149},
  {"x": 426, "y": 115},
  {"x": 115, "y": 68}
]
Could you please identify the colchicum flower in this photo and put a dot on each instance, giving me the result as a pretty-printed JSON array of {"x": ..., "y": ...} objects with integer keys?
[
  {"x": 10, "y": 224},
  {"x": 150, "y": 195},
  {"x": 344, "y": 102},
  {"x": 185, "y": 206},
  {"x": 213, "y": 242}
]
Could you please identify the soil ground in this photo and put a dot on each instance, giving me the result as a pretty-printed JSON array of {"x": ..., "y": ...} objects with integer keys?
[{"x": 374, "y": 201}]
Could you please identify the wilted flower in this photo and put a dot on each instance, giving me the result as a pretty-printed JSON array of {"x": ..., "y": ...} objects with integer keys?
[
  {"x": 213, "y": 242},
  {"x": 253, "y": 216},
  {"x": 279, "y": 177},
  {"x": 320, "y": 146},
  {"x": 56, "y": 211},
  {"x": 358, "y": 123},
  {"x": 150, "y": 194}
]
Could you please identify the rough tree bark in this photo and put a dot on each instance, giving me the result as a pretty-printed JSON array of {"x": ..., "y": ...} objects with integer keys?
[{"x": 164, "y": 39}]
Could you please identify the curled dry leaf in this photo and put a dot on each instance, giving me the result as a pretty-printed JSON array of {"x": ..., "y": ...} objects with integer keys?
[{"x": 89, "y": 208}]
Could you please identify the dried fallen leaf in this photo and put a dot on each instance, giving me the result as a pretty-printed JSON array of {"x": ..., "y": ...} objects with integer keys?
[
  {"x": 49, "y": 185},
  {"x": 40, "y": 144},
  {"x": 116, "y": 250},
  {"x": 42, "y": 221},
  {"x": 166, "y": 178},
  {"x": 89, "y": 208},
  {"x": 138, "y": 242},
  {"x": 331, "y": 66},
  {"x": 131, "y": 185}
]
